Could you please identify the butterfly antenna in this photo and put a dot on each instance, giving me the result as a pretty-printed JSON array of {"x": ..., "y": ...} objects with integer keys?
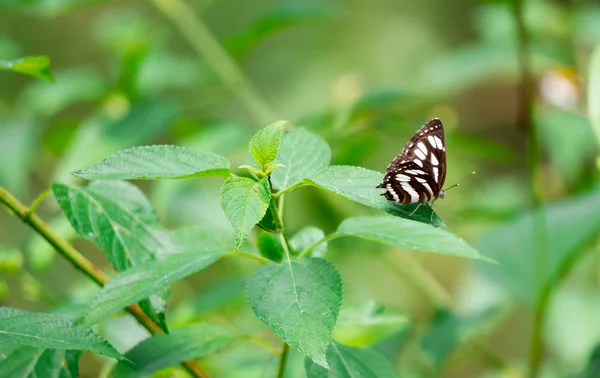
[{"x": 458, "y": 182}]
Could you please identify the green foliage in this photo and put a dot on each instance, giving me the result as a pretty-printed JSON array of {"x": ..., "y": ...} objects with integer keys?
[
  {"x": 38, "y": 66},
  {"x": 348, "y": 362},
  {"x": 305, "y": 238},
  {"x": 265, "y": 144},
  {"x": 24, "y": 361},
  {"x": 156, "y": 162},
  {"x": 161, "y": 351},
  {"x": 143, "y": 280},
  {"x": 50, "y": 331},
  {"x": 407, "y": 234},
  {"x": 299, "y": 301},
  {"x": 270, "y": 246},
  {"x": 593, "y": 91},
  {"x": 244, "y": 203}
]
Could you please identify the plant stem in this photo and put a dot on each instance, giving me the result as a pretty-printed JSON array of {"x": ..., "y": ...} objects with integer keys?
[
  {"x": 526, "y": 121},
  {"x": 83, "y": 264},
  {"x": 262, "y": 343},
  {"x": 289, "y": 189},
  {"x": 248, "y": 256},
  {"x": 215, "y": 56},
  {"x": 283, "y": 360},
  {"x": 310, "y": 248}
]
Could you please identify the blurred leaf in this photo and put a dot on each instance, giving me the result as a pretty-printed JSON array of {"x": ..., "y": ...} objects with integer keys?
[
  {"x": 71, "y": 87},
  {"x": 514, "y": 243},
  {"x": 593, "y": 91},
  {"x": 11, "y": 260},
  {"x": 244, "y": 203},
  {"x": 141, "y": 281},
  {"x": 156, "y": 162},
  {"x": 18, "y": 146},
  {"x": 307, "y": 237},
  {"x": 214, "y": 298},
  {"x": 302, "y": 154},
  {"x": 117, "y": 217},
  {"x": 569, "y": 139},
  {"x": 446, "y": 331},
  {"x": 280, "y": 18},
  {"x": 356, "y": 148},
  {"x": 50, "y": 331},
  {"x": 366, "y": 325},
  {"x": 28, "y": 362},
  {"x": 268, "y": 222},
  {"x": 38, "y": 66},
  {"x": 359, "y": 185},
  {"x": 407, "y": 234},
  {"x": 161, "y": 351},
  {"x": 265, "y": 144},
  {"x": 195, "y": 239},
  {"x": 269, "y": 246},
  {"x": 299, "y": 301},
  {"x": 593, "y": 366},
  {"x": 349, "y": 362},
  {"x": 190, "y": 73}
]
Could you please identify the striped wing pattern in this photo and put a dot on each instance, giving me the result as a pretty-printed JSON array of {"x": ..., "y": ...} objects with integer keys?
[{"x": 419, "y": 172}]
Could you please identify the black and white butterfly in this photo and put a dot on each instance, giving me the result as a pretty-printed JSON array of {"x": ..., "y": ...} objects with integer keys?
[{"x": 419, "y": 172}]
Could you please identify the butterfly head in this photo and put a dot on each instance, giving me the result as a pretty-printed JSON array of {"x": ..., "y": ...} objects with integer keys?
[{"x": 442, "y": 194}]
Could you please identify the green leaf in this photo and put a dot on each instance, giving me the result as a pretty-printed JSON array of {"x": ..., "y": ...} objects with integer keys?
[
  {"x": 593, "y": 91},
  {"x": 359, "y": 185},
  {"x": 245, "y": 203},
  {"x": 269, "y": 246},
  {"x": 117, "y": 217},
  {"x": 307, "y": 237},
  {"x": 593, "y": 365},
  {"x": 265, "y": 144},
  {"x": 563, "y": 235},
  {"x": 156, "y": 162},
  {"x": 38, "y": 66},
  {"x": 161, "y": 351},
  {"x": 303, "y": 154},
  {"x": 299, "y": 301},
  {"x": 366, "y": 325},
  {"x": 50, "y": 331},
  {"x": 24, "y": 361},
  {"x": 403, "y": 233},
  {"x": 143, "y": 280},
  {"x": 349, "y": 362}
]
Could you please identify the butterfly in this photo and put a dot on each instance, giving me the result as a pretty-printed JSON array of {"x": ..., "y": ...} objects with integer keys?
[{"x": 419, "y": 172}]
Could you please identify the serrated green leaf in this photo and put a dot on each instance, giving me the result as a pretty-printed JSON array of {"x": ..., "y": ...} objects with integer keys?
[
  {"x": 348, "y": 362},
  {"x": 307, "y": 237},
  {"x": 303, "y": 154},
  {"x": 161, "y": 351},
  {"x": 143, "y": 280},
  {"x": 244, "y": 203},
  {"x": 359, "y": 185},
  {"x": 117, "y": 217},
  {"x": 155, "y": 163},
  {"x": 368, "y": 324},
  {"x": 265, "y": 144},
  {"x": 299, "y": 301},
  {"x": 403, "y": 233},
  {"x": 563, "y": 235},
  {"x": 50, "y": 331},
  {"x": 29, "y": 362},
  {"x": 38, "y": 66}
]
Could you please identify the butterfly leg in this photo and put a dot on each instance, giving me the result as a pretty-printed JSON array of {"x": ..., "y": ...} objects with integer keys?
[
  {"x": 432, "y": 211},
  {"x": 415, "y": 210}
]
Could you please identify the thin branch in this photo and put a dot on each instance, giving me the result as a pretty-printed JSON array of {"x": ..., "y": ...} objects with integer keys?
[
  {"x": 81, "y": 263},
  {"x": 262, "y": 343},
  {"x": 282, "y": 361},
  {"x": 248, "y": 256},
  {"x": 211, "y": 51}
]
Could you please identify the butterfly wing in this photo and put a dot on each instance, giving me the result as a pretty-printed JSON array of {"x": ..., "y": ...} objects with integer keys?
[{"x": 419, "y": 172}]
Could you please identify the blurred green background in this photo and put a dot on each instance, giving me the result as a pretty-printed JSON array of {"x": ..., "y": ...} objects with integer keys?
[{"x": 364, "y": 75}]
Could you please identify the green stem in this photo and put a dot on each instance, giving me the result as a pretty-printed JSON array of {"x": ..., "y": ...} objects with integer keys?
[
  {"x": 211, "y": 51},
  {"x": 248, "y": 256},
  {"x": 83, "y": 264},
  {"x": 38, "y": 200},
  {"x": 282, "y": 361},
  {"x": 289, "y": 189},
  {"x": 310, "y": 248}
]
